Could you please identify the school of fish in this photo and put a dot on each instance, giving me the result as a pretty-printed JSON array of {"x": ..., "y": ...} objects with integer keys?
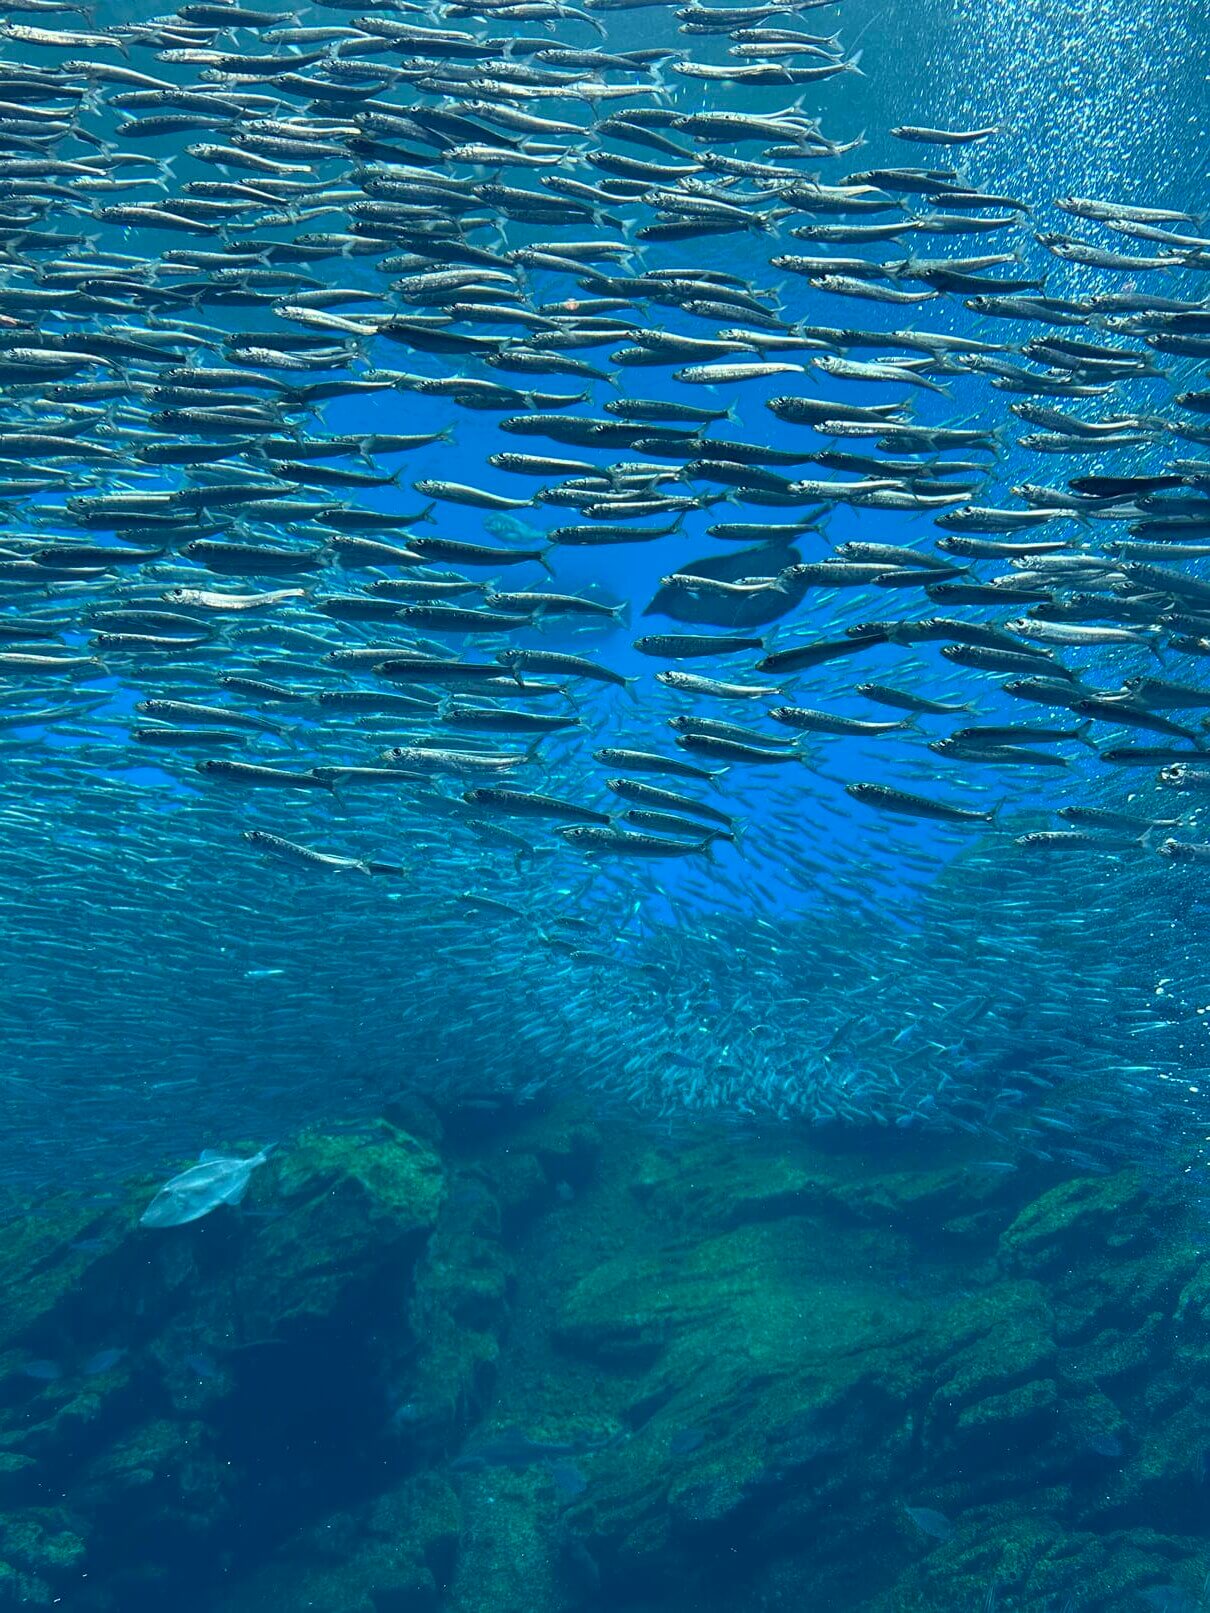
[{"x": 366, "y": 366}]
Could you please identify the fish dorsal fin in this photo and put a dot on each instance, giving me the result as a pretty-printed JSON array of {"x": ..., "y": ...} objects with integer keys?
[{"x": 209, "y": 1155}]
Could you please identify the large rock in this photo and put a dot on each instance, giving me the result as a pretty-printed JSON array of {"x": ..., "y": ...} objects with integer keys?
[{"x": 548, "y": 1365}]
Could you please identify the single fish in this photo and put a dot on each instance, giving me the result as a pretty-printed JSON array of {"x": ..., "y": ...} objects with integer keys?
[
  {"x": 215, "y": 1180},
  {"x": 904, "y": 804}
]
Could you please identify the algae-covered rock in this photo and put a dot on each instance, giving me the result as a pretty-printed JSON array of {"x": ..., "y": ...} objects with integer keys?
[
  {"x": 993, "y": 1340},
  {"x": 1003, "y": 1424},
  {"x": 510, "y": 1557},
  {"x": 41, "y": 1557},
  {"x": 758, "y": 1380},
  {"x": 546, "y": 1365},
  {"x": 393, "y": 1554},
  {"x": 238, "y": 1357},
  {"x": 47, "y": 1259},
  {"x": 784, "y": 1379},
  {"x": 1077, "y": 1222},
  {"x": 457, "y": 1312},
  {"x": 339, "y": 1211}
]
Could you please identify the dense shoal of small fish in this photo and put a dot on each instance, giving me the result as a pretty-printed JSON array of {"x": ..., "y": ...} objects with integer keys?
[{"x": 351, "y": 356}]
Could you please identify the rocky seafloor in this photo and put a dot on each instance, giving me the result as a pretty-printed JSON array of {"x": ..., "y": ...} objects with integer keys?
[{"x": 536, "y": 1362}]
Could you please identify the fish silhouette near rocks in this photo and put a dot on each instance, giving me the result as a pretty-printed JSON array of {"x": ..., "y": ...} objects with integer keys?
[{"x": 215, "y": 1179}]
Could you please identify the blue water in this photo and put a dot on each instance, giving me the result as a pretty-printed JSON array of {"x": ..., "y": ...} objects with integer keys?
[
  {"x": 813, "y": 1220},
  {"x": 219, "y": 966}
]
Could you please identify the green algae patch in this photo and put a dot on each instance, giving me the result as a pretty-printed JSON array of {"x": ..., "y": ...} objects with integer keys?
[
  {"x": 337, "y": 1211},
  {"x": 545, "y": 1368},
  {"x": 391, "y": 1555},
  {"x": 1078, "y": 1220},
  {"x": 52, "y": 1258}
]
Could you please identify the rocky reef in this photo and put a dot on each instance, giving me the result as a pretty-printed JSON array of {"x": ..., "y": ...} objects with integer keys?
[{"x": 542, "y": 1362}]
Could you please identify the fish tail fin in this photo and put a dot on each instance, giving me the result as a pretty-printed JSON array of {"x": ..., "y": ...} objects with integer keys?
[
  {"x": 660, "y": 86},
  {"x": 1082, "y": 733},
  {"x": 544, "y": 559},
  {"x": 705, "y": 848},
  {"x": 735, "y": 839},
  {"x": 426, "y": 513},
  {"x": 627, "y": 228},
  {"x": 87, "y": 137}
]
